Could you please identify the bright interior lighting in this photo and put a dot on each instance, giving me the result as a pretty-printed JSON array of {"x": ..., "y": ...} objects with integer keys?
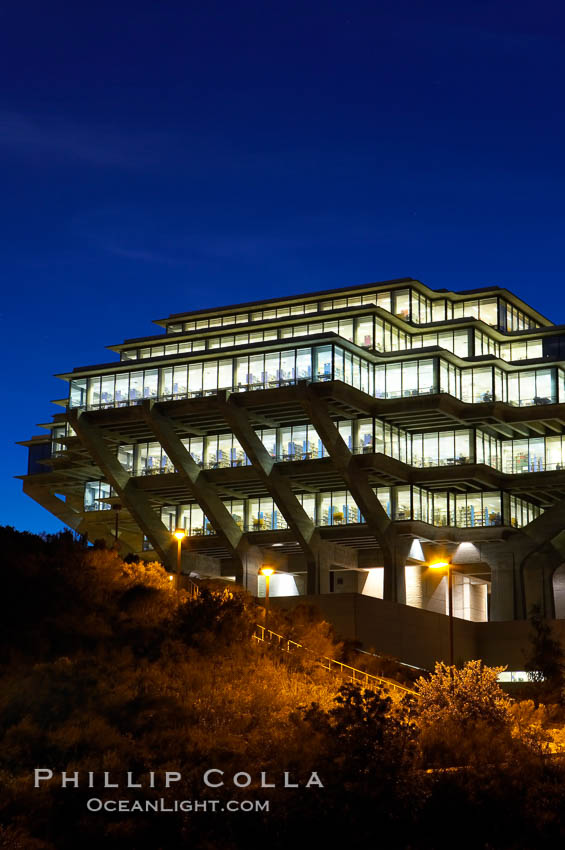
[
  {"x": 439, "y": 565},
  {"x": 180, "y": 534},
  {"x": 266, "y": 571}
]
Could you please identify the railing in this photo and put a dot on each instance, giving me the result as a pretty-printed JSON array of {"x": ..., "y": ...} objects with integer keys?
[
  {"x": 193, "y": 589},
  {"x": 352, "y": 674}
]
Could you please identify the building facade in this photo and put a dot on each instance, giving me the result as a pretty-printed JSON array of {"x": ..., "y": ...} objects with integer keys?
[{"x": 349, "y": 438}]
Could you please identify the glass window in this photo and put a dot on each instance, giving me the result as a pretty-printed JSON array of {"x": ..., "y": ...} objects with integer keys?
[
  {"x": 461, "y": 343},
  {"x": 77, "y": 397},
  {"x": 513, "y": 385},
  {"x": 364, "y": 332},
  {"x": 463, "y": 446},
  {"x": 380, "y": 381},
  {"x": 482, "y": 385},
  {"x": 426, "y": 381},
  {"x": 410, "y": 378},
  {"x": 384, "y": 301},
  {"x": 210, "y": 379},
  {"x": 242, "y": 371},
  {"x": 304, "y": 362},
  {"x": 136, "y": 386},
  {"x": 402, "y": 303},
  {"x": 269, "y": 440},
  {"x": 535, "y": 348},
  {"x": 394, "y": 380},
  {"x": 338, "y": 364},
  {"x": 545, "y": 386},
  {"x": 150, "y": 383},
  {"x": 323, "y": 363},
  {"x": 365, "y": 435},
  {"x": 346, "y": 329},
  {"x": 488, "y": 311},
  {"x": 527, "y": 388},
  {"x": 194, "y": 379},
  {"x": 438, "y": 310},
  {"x": 402, "y": 507},
  {"x": 287, "y": 366},
  {"x": 272, "y": 362},
  {"x": 256, "y": 370},
  {"x": 431, "y": 449},
  {"x": 225, "y": 374},
  {"x": 179, "y": 380}
]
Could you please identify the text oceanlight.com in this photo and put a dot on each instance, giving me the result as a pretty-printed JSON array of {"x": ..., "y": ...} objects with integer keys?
[{"x": 94, "y": 804}]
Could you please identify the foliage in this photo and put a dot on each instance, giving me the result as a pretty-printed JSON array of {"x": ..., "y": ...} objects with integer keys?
[
  {"x": 465, "y": 695},
  {"x": 106, "y": 668},
  {"x": 546, "y": 663},
  {"x": 463, "y": 715}
]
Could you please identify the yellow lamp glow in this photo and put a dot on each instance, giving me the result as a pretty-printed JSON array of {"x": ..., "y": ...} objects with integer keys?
[
  {"x": 440, "y": 565},
  {"x": 266, "y": 571},
  {"x": 180, "y": 533},
  {"x": 171, "y": 578}
]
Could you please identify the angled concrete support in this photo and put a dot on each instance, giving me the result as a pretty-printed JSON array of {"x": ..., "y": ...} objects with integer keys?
[
  {"x": 136, "y": 501},
  {"x": 356, "y": 480},
  {"x": 94, "y": 527},
  {"x": 280, "y": 491},
  {"x": 247, "y": 557}
]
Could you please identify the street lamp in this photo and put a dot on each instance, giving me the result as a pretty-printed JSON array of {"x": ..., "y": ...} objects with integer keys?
[
  {"x": 180, "y": 534},
  {"x": 267, "y": 572},
  {"x": 445, "y": 565},
  {"x": 116, "y": 508}
]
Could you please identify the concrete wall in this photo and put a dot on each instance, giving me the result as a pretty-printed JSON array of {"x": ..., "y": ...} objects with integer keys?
[{"x": 420, "y": 637}]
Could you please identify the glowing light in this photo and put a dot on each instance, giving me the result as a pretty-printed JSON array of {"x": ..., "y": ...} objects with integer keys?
[
  {"x": 180, "y": 533},
  {"x": 266, "y": 571},
  {"x": 440, "y": 565},
  {"x": 171, "y": 578}
]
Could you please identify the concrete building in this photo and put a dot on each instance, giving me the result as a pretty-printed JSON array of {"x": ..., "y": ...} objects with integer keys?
[{"x": 348, "y": 437}]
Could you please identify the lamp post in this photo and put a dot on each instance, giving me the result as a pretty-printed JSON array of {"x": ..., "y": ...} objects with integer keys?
[
  {"x": 116, "y": 508},
  {"x": 445, "y": 565},
  {"x": 267, "y": 572},
  {"x": 180, "y": 534}
]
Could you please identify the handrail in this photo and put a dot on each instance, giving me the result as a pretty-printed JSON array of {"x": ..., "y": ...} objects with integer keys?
[
  {"x": 193, "y": 589},
  {"x": 359, "y": 677}
]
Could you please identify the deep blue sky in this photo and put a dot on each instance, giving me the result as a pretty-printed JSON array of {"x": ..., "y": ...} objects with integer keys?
[{"x": 159, "y": 157}]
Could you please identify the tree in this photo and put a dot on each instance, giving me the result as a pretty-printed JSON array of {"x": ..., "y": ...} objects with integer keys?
[
  {"x": 463, "y": 715},
  {"x": 546, "y": 664}
]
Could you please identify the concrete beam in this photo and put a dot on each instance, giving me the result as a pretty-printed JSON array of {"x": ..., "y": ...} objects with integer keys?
[
  {"x": 248, "y": 558},
  {"x": 356, "y": 480},
  {"x": 278, "y": 487},
  {"x": 136, "y": 501},
  {"x": 200, "y": 488},
  {"x": 93, "y": 526}
]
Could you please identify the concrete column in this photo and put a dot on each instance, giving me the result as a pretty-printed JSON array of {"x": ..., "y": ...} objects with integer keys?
[
  {"x": 136, "y": 501},
  {"x": 277, "y": 485},
  {"x": 199, "y": 487},
  {"x": 356, "y": 480},
  {"x": 537, "y": 574}
]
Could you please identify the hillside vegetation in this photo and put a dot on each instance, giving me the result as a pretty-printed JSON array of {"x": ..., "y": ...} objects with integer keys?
[{"x": 105, "y": 669}]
